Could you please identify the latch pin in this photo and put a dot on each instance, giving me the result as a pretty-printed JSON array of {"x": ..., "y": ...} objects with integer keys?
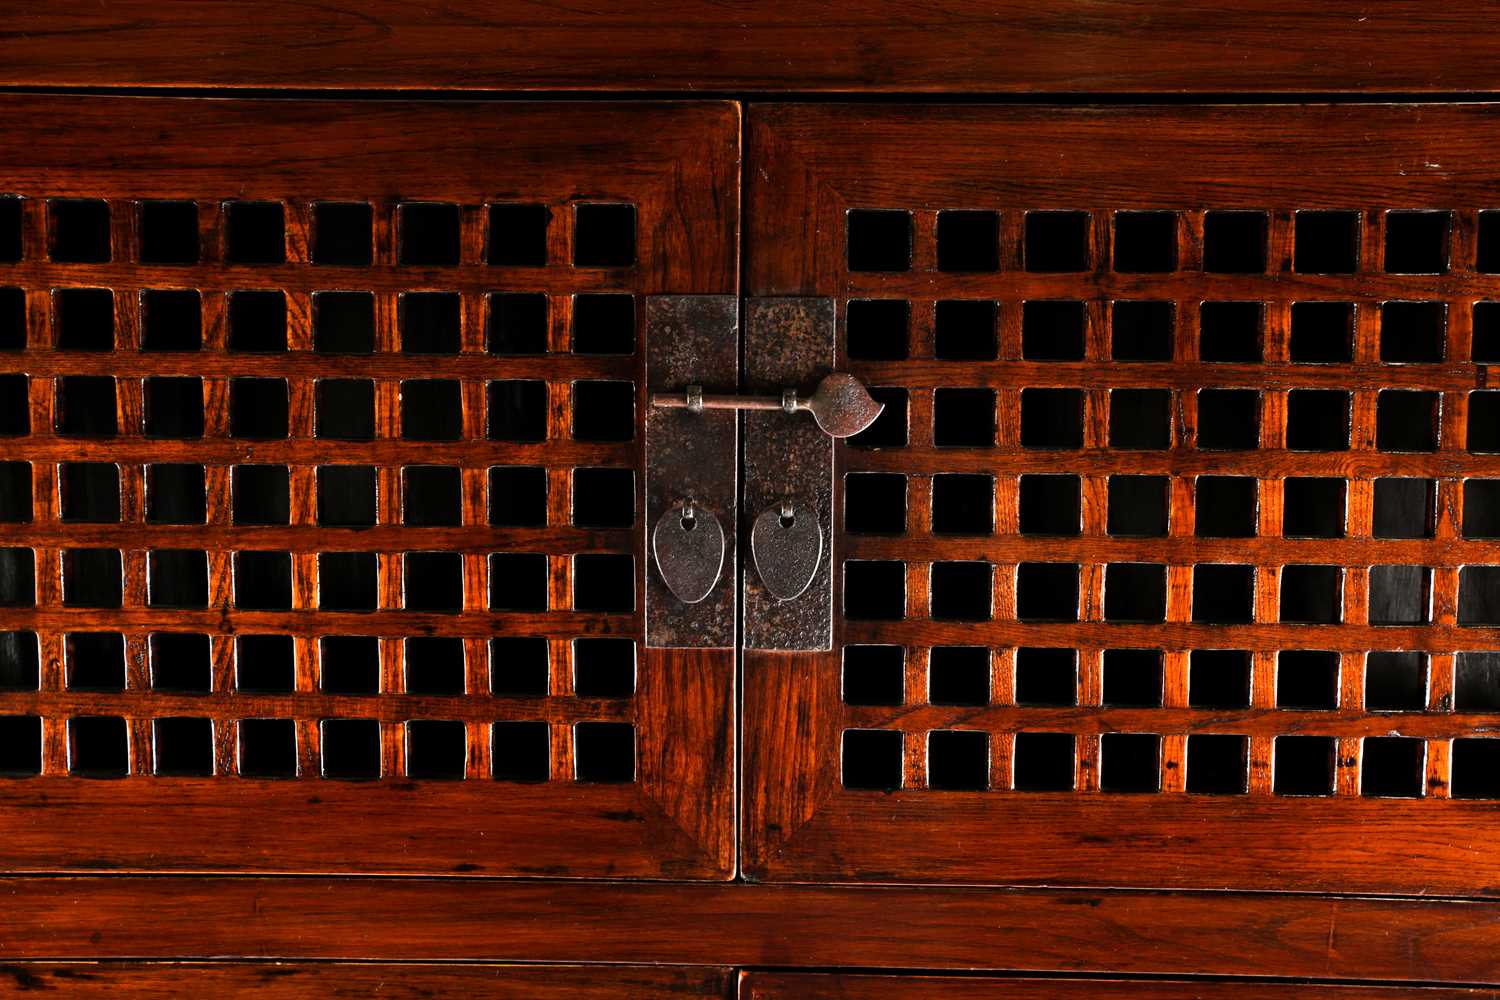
[{"x": 841, "y": 405}]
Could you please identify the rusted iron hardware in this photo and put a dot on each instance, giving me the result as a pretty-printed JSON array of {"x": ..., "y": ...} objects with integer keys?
[
  {"x": 691, "y": 473},
  {"x": 789, "y": 346},
  {"x": 786, "y": 546},
  {"x": 687, "y": 546},
  {"x": 691, "y": 513},
  {"x": 840, "y": 404}
]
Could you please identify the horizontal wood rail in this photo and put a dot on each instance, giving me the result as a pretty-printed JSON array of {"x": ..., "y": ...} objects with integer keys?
[
  {"x": 1207, "y": 46},
  {"x": 1055, "y": 930}
]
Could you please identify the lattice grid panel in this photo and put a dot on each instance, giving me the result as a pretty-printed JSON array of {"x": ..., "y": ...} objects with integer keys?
[
  {"x": 296, "y": 488},
  {"x": 1172, "y": 501}
]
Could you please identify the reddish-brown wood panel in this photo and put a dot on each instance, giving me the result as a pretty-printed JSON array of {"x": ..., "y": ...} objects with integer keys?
[
  {"x": 288, "y": 980},
  {"x": 872, "y": 45},
  {"x": 1248, "y": 626},
  {"x": 806, "y": 986},
  {"x": 456, "y": 297},
  {"x": 1288, "y": 935}
]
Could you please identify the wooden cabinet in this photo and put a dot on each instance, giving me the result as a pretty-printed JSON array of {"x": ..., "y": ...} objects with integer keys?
[{"x": 1146, "y": 643}]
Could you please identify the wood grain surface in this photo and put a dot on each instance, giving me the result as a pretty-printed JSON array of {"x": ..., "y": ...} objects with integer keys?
[
  {"x": 683, "y": 46},
  {"x": 413, "y": 919},
  {"x": 807, "y": 986},
  {"x": 288, "y": 980}
]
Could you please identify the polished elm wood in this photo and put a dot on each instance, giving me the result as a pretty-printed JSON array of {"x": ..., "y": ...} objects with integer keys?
[
  {"x": 810, "y": 166},
  {"x": 78, "y": 914},
  {"x": 805, "y": 986},
  {"x": 282, "y": 981},
  {"x": 1267, "y": 46},
  {"x": 1287, "y": 935},
  {"x": 670, "y": 814}
]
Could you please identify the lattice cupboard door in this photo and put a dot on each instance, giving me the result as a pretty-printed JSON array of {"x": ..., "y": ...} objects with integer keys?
[
  {"x": 320, "y": 487},
  {"x": 1172, "y": 560}
]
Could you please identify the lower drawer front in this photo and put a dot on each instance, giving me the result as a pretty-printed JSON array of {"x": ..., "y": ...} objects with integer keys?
[
  {"x": 275, "y": 980},
  {"x": 792, "y": 986}
]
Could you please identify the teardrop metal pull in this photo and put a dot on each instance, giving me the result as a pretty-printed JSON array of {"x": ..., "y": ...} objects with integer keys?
[
  {"x": 787, "y": 546},
  {"x": 688, "y": 546}
]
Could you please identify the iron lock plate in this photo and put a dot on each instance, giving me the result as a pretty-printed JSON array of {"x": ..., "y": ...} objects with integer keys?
[
  {"x": 692, "y": 524},
  {"x": 691, "y": 458},
  {"x": 789, "y": 343}
]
